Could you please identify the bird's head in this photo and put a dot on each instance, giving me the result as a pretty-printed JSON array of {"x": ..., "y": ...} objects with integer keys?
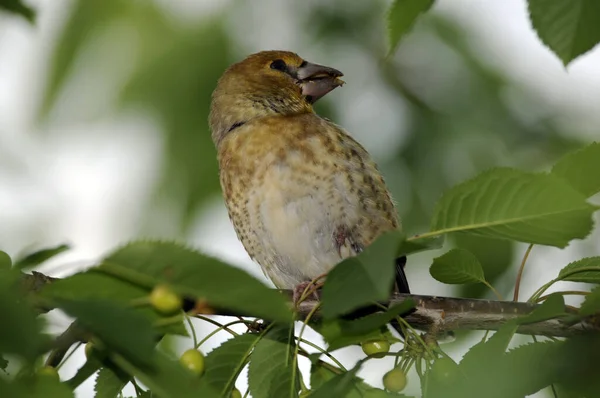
[{"x": 268, "y": 83}]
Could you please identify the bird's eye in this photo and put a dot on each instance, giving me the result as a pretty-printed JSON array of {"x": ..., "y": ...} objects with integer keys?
[{"x": 279, "y": 64}]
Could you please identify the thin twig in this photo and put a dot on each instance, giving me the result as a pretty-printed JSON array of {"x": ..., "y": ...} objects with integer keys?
[{"x": 520, "y": 274}]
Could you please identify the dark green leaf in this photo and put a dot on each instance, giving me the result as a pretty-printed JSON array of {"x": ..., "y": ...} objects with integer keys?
[
  {"x": 569, "y": 27},
  {"x": 224, "y": 363},
  {"x": 338, "y": 385},
  {"x": 110, "y": 382},
  {"x": 361, "y": 280},
  {"x": 44, "y": 386},
  {"x": 3, "y": 363},
  {"x": 270, "y": 373},
  {"x": 40, "y": 256},
  {"x": 166, "y": 378},
  {"x": 552, "y": 307},
  {"x": 20, "y": 333},
  {"x": 512, "y": 204},
  {"x": 580, "y": 169},
  {"x": 17, "y": 7},
  {"x": 5, "y": 261},
  {"x": 96, "y": 285},
  {"x": 458, "y": 266},
  {"x": 340, "y": 333},
  {"x": 591, "y": 304},
  {"x": 401, "y": 17},
  {"x": 586, "y": 270},
  {"x": 121, "y": 329},
  {"x": 90, "y": 367},
  {"x": 193, "y": 274}
]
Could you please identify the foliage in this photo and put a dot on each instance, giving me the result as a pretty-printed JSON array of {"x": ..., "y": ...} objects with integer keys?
[{"x": 112, "y": 307}]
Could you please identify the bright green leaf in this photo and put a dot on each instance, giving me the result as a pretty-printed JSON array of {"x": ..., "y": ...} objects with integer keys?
[
  {"x": 458, "y": 266},
  {"x": 401, "y": 17},
  {"x": 110, "y": 382},
  {"x": 361, "y": 280},
  {"x": 591, "y": 304},
  {"x": 512, "y": 204},
  {"x": 96, "y": 285},
  {"x": 569, "y": 27},
  {"x": 580, "y": 169},
  {"x": 40, "y": 256},
  {"x": 271, "y": 365},
  {"x": 121, "y": 329},
  {"x": 191, "y": 273},
  {"x": 224, "y": 363},
  {"x": 552, "y": 307},
  {"x": 586, "y": 270}
]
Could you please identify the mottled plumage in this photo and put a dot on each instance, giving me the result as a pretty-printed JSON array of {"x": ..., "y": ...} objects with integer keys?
[{"x": 301, "y": 193}]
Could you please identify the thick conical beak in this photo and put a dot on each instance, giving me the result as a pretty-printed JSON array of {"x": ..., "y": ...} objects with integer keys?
[{"x": 317, "y": 80}]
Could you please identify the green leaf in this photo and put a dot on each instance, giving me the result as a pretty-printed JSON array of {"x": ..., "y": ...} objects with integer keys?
[
  {"x": 458, "y": 266},
  {"x": 40, "y": 256},
  {"x": 407, "y": 247},
  {"x": 224, "y": 363},
  {"x": 110, "y": 382},
  {"x": 166, "y": 378},
  {"x": 321, "y": 375},
  {"x": 17, "y": 7},
  {"x": 121, "y": 329},
  {"x": 487, "y": 351},
  {"x": 90, "y": 367},
  {"x": 44, "y": 386},
  {"x": 512, "y": 204},
  {"x": 361, "y": 280},
  {"x": 580, "y": 169},
  {"x": 191, "y": 273},
  {"x": 530, "y": 368},
  {"x": 20, "y": 333},
  {"x": 338, "y": 385},
  {"x": 552, "y": 307},
  {"x": 569, "y": 27},
  {"x": 3, "y": 363},
  {"x": 401, "y": 17},
  {"x": 270, "y": 373},
  {"x": 340, "y": 333},
  {"x": 590, "y": 271},
  {"x": 591, "y": 304},
  {"x": 5, "y": 261},
  {"x": 96, "y": 285}
]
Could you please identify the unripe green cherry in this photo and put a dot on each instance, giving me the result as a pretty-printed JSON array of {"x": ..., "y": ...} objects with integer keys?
[
  {"x": 49, "y": 371},
  {"x": 376, "y": 348},
  {"x": 193, "y": 360},
  {"x": 235, "y": 393},
  {"x": 394, "y": 380},
  {"x": 165, "y": 300}
]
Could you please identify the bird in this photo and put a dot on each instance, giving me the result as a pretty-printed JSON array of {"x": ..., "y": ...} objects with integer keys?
[{"x": 301, "y": 193}]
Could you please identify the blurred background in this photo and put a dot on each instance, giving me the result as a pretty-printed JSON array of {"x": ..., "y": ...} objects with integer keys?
[{"x": 104, "y": 135}]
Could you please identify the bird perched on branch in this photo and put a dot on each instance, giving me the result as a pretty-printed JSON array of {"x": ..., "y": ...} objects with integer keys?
[{"x": 301, "y": 193}]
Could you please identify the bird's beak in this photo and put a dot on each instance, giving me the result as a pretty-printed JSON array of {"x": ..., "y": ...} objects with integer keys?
[{"x": 317, "y": 80}]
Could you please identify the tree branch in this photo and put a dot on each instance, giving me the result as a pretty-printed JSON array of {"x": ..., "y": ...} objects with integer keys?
[
  {"x": 443, "y": 314},
  {"x": 436, "y": 314}
]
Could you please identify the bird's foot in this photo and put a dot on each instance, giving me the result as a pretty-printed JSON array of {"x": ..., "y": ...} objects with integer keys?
[{"x": 305, "y": 290}]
